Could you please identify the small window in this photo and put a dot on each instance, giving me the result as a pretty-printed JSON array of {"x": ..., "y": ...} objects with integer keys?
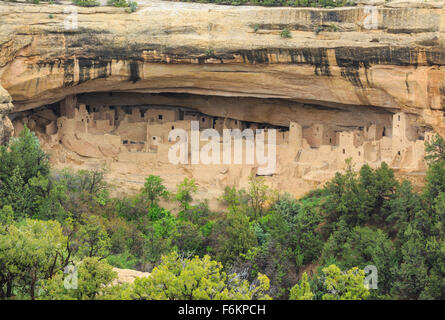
[
  {"x": 343, "y": 151},
  {"x": 125, "y": 142},
  {"x": 160, "y": 117},
  {"x": 359, "y": 153},
  {"x": 203, "y": 120},
  {"x": 398, "y": 152},
  {"x": 154, "y": 138},
  {"x": 173, "y": 127},
  {"x": 236, "y": 121},
  {"x": 399, "y": 117}
]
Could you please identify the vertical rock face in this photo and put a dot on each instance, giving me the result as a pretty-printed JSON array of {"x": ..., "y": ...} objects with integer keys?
[{"x": 6, "y": 128}]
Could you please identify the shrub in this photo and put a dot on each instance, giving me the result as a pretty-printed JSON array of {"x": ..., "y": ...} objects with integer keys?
[
  {"x": 118, "y": 3},
  {"x": 285, "y": 33},
  {"x": 132, "y": 6},
  {"x": 86, "y": 3}
]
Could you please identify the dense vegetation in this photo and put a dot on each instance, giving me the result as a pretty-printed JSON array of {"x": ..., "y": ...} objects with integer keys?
[{"x": 264, "y": 245}]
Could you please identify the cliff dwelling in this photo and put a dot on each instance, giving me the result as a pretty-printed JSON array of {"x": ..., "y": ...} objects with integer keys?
[{"x": 128, "y": 134}]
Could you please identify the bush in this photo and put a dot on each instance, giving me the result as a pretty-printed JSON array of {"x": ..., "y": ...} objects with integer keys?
[
  {"x": 118, "y": 3},
  {"x": 132, "y": 6},
  {"x": 86, "y": 3},
  {"x": 285, "y": 33}
]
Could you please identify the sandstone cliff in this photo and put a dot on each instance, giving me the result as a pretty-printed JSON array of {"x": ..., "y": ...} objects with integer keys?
[
  {"x": 390, "y": 56},
  {"x": 6, "y": 129}
]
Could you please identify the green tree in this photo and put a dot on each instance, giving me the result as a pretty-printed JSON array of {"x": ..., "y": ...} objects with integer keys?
[
  {"x": 435, "y": 149},
  {"x": 185, "y": 192},
  {"x": 301, "y": 291},
  {"x": 238, "y": 237},
  {"x": 412, "y": 275},
  {"x": 178, "y": 278},
  {"x": 360, "y": 247},
  {"x": 23, "y": 174},
  {"x": 362, "y": 198},
  {"x": 94, "y": 278},
  {"x": 154, "y": 190},
  {"x": 258, "y": 194},
  {"x": 344, "y": 285},
  {"x": 92, "y": 239},
  {"x": 6, "y": 215},
  {"x": 377, "y": 187},
  {"x": 188, "y": 238},
  {"x": 30, "y": 251},
  {"x": 24, "y": 153}
]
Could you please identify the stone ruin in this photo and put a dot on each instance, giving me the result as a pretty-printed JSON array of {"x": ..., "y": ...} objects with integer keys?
[{"x": 131, "y": 139}]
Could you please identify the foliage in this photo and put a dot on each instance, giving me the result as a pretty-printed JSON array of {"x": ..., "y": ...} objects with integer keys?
[
  {"x": 344, "y": 285},
  {"x": 132, "y": 6},
  {"x": 93, "y": 280},
  {"x": 86, "y": 3},
  {"x": 49, "y": 220},
  {"x": 301, "y": 291},
  {"x": 258, "y": 194},
  {"x": 93, "y": 239},
  {"x": 30, "y": 251},
  {"x": 237, "y": 237},
  {"x": 358, "y": 199},
  {"x": 285, "y": 33},
  {"x": 179, "y": 278},
  {"x": 361, "y": 247},
  {"x": 23, "y": 175},
  {"x": 154, "y": 190},
  {"x": 435, "y": 149},
  {"x": 118, "y": 3},
  {"x": 185, "y": 192}
]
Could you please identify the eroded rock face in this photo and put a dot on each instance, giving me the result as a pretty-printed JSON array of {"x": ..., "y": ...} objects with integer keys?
[{"x": 6, "y": 128}]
